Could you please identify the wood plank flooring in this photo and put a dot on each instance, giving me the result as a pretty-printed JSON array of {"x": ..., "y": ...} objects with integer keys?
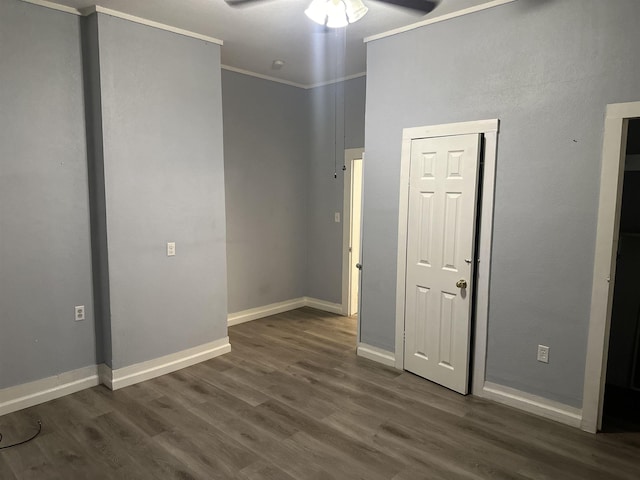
[{"x": 292, "y": 401}]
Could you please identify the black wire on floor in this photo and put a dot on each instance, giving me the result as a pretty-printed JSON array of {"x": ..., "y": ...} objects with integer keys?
[{"x": 24, "y": 441}]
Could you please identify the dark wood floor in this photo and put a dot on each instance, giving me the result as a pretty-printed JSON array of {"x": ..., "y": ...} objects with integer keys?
[{"x": 293, "y": 401}]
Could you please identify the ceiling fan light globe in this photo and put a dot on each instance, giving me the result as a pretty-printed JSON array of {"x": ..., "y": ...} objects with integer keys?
[
  {"x": 336, "y": 14},
  {"x": 355, "y": 10},
  {"x": 317, "y": 11}
]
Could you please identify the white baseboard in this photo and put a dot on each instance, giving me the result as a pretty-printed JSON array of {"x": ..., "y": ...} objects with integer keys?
[
  {"x": 376, "y": 354},
  {"x": 104, "y": 373},
  {"x": 123, "y": 377},
  {"x": 533, "y": 404},
  {"x": 265, "y": 311},
  {"x": 323, "y": 305},
  {"x": 280, "y": 307},
  {"x": 33, "y": 393},
  {"x": 29, "y": 394}
]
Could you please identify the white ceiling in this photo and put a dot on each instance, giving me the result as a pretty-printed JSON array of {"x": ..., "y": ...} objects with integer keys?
[{"x": 262, "y": 31}]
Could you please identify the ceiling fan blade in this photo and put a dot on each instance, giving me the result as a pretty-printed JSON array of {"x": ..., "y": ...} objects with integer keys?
[
  {"x": 424, "y": 6},
  {"x": 240, "y": 3}
]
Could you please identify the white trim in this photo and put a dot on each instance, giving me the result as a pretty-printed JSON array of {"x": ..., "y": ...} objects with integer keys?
[
  {"x": 350, "y": 154},
  {"x": 280, "y": 307},
  {"x": 360, "y": 275},
  {"x": 441, "y": 18},
  {"x": 401, "y": 269},
  {"x": 623, "y": 110},
  {"x": 264, "y": 311},
  {"x": 489, "y": 128},
  {"x": 611, "y": 177},
  {"x": 335, "y": 80},
  {"x": 304, "y": 86},
  {"x": 376, "y": 354},
  {"x": 450, "y": 129},
  {"x": 533, "y": 404},
  {"x": 323, "y": 305},
  {"x": 33, "y": 393},
  {"x": 54, "y": 6},
  {"x": 150, "y": 23},
  {"x": 104, "y": 373},
  {"x": 123, "y": 377},
  {"x": 262, "y": 76},
  {"x": 483, "y": 274}
]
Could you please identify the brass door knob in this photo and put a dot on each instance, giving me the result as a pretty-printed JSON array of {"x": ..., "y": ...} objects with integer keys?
[{"x": 461, "y": 284}]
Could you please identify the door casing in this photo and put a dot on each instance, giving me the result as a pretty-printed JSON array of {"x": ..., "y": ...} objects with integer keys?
[
  {"x": 355, "y": 229},
  {"x": 489, "y": 129},
  {"x": 350, "y": 154},
  {"x": 604, "y": 265}
]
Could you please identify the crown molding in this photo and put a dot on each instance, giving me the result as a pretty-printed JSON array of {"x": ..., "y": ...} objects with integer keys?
[
  {"x": 125, "y": 16},
  {"x": 304, "y": 86},
  {"x": 54, "y": 6},
  {"x": 441, "y": 18},
  {"x": 336, "y": 80},
  {"x": 262, "y": 76},
  {"x": 149, "y": 23}
]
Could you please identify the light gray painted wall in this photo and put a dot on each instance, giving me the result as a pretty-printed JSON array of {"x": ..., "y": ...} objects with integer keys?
[
  {"x": 164, "y": 181},
  {"x": 547, "y": 71},
  {"x": 45, "y": 256},
  {"x": 325, "y": 193},
  {"x": 95, "y": 166},
  {"x": 266, "y": 137}
]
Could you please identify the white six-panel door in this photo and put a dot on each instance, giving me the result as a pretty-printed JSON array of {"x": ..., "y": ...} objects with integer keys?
[{"x": 440, "y": 244}]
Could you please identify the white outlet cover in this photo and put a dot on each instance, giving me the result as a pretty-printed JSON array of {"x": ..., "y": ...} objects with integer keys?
[
  {"x": 336, "y": 217},
  {"x": 79, "y": 313},
  {"x": 171, "y": 249},
  {"x": 543, "y": 353}
]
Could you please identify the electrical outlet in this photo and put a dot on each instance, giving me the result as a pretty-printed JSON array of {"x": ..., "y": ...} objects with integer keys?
[
  {"x": 336, "y": 217},
  {"x": 543, "y": 354},
  {"x": 79, "y": 313},
  {"x": 171, "y": 249}
]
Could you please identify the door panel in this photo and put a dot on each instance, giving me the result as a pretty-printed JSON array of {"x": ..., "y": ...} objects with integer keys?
[{"x": 440, "y": 242}]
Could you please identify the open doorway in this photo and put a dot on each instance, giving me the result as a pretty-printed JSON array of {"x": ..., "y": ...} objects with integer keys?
[
  {"x": 352, "y": 218},
  {"x": 622, "y": 387},
  {"x": 619, "y": 117}
]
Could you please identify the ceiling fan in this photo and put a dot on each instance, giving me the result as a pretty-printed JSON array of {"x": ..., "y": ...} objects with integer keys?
[{"x": 340, "y": 13}]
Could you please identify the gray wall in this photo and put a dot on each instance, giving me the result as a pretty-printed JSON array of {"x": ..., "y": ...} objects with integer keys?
[
  {"x": 95, "y": 166},
  {"x": 266, "y": 137},
  {"x": 164, "y": 181},
  {"x": 282, "y": 241},
  {"x": 547, "y": 71},
  {"x": 128, "y": 126},
  {"x": 325, "y": 193},
  {"x": 45, "y": 254}
]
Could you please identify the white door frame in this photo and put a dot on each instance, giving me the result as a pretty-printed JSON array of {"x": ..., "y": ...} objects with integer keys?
[
  {"x": 604, "y": 265},
  {"x": 489, "y": 128},
  {"x": 350, "y": 154}
]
